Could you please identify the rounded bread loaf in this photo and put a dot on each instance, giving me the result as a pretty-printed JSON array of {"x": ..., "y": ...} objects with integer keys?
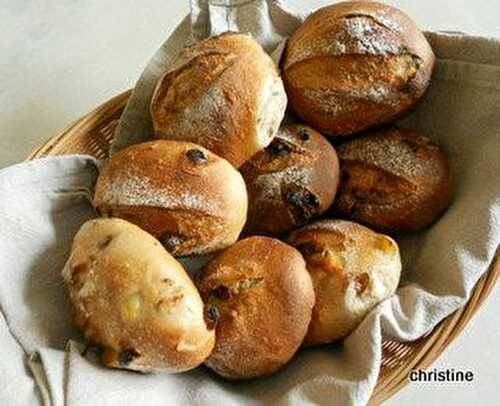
[
  {"x": 193, "y": 201},
  {"x": 259, "y": 295},
  {"x": 290, "y": 182},
  {"x": 223, "y": 93},
  {"x": 352, "y": 269},
  {"x": 132, "y": 299},
  {"x": 355, "y": 65},
  {"x": 393, "y": 180}
]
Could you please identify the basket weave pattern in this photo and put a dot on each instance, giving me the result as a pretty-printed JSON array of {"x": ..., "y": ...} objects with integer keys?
[{"x": 93, "y": 133}]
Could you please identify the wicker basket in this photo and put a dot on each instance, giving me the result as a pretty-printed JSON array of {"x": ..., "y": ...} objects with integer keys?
[{"x": 92, "y": 134}]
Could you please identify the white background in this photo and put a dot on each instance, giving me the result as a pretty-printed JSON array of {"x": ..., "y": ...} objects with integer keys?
[{"x": 61, "y": 58}]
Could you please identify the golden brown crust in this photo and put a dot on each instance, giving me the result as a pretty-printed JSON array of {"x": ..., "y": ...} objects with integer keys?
[
  {"x": 217, "y": 96},
  {"x": 290, "y": 182},
  {"x": 260, "y": 295},
  {"x": 352, "y": 269},
  {"x": 134, "y": 300},
  {"x": 354, "y": 65},
  {"x": 190, "y": 199},
  {"x": 393, "y": 180}
]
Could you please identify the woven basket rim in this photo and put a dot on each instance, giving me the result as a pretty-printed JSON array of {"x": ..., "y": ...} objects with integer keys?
[{"x": 427, "y": 349}]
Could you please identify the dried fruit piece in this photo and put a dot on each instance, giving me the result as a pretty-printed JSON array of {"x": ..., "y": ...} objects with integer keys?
[
  {"x": 333, "y": 262},
  {"x": 304, "y": 205},
  {"x": 127, "y": 356},
  {"x": 166, "y": 304},
  {"x": 197, "y": 156},
  {"x": 248, "y": 283},
  {"x": 167, "y": 282},
  {"x": 105, "y": 242},
  {"x": 310, "y": 248},
  {"x": 304, "y": 134},
  {"x": 384, "y": 244},
  {"x": 211, "y": 316},
  {"x": 77, "y": 272},
  {"x": 171, "y": 241},
  {"x": 361, "y": 282},
  {"x": 132, "y": 306},
  {"x": 279, "y": 147},
  {"x": 222, "y": 292}
]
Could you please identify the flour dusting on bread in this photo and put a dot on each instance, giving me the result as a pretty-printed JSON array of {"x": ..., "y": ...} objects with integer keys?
[
  {"x": 225, "y": 94},
  {"x": 131, "y": 190},
  {"x": 356, "y": 65},
  {"x": 271, "y": 108}
]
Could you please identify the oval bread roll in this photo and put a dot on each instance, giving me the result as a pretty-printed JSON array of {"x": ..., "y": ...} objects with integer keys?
[
  {"x": 290, "y": 182},
  {"x": 393, "y": 180},
  {"x": 260, "y": 296},
  {"x": 354, "y": 65},
  {"x": 190, "y": 199},
  {"x": 224, "y": 93},
  {"x": 352, "y": 268},
  {"x": 134, "y": 300}
]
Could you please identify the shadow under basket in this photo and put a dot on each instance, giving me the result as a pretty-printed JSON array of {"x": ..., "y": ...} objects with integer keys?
[{"x": 92, "y": 135}]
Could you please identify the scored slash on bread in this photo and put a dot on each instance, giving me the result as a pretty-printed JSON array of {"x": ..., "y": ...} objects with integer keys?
[
  {"x": 193, "y": 201},
  {"x": 224, "y": 93},
  {"x": 355, "y": 65},
  {"x": 393, "y": 180}
]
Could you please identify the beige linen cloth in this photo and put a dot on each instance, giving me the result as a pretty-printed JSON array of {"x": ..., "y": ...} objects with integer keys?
[{"x": 44, "y": 202}]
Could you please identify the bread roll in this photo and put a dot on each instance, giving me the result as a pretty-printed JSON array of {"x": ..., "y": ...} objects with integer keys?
[
  {"x": 224, "y": 93},
  {"x": 290, "y": 182},
  {"x": 354, "y": 65},
  {"x": 190, "y": 199},
  {"x": 260, "y": 296},
  {"x": 352, "y": 268},
  {"x": 134, "y": 300},
  {"x": 393, "y": 180}
]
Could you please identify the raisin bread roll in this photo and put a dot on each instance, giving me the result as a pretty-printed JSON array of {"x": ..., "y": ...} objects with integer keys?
[
  {"x": 190, "y": 199},
  {"x": 393, "y": 180},
  {"x": 134, "y": 300},
  {"x": 260, "y": 296},
  {"x": 290, "y": 182},
  {"x": 354, "y": 65},
  {"x": 224, "y": 93},
  {"x": 352, "y": 268}
]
